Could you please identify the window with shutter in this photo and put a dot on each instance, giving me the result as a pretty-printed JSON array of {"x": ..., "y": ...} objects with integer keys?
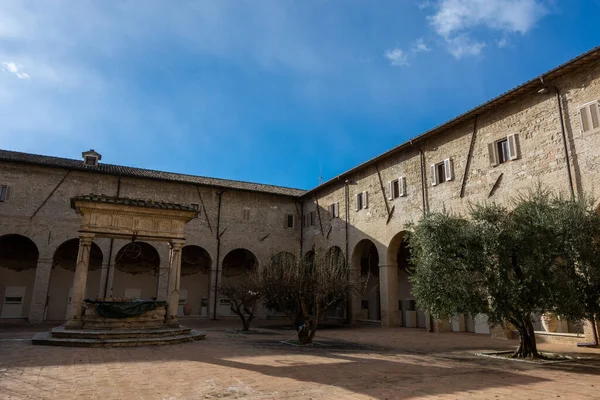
[
  {"x": 513, "y": 146},
  {"x": 337, "y": 210},
  {"x": 246, "y": 214},
  {"x": 589, "y": 115},
  {"x": 358, "y": 198},
  {"x": 595, "y": 115},
  {"x": 391, "y": 190},
  {"x": 493, "y": 153},
  {"x": 402, "y": 186},
  {"x": 290, "y": 221},
  {"x": 365, "y": 199},
  {"x": 448, "y": 169},
  {"x": 3, "y": 193},
  {"x": 440, "y": 173},
  {"x": 434, "y": 179}
]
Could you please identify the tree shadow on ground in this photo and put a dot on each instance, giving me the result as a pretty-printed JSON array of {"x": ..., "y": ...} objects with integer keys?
[{"x": 434, "y": 365}]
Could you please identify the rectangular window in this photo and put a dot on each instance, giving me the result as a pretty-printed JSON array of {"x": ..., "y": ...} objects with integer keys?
[
  {"x": 442, "y": 172},
  {"x": 246, "y": 214},
  {"x": 334, "y": 210},
  {"x": 3, "y": 193},
  {"x": 362, "y": 200},
  {"x": 309, "y": 218},
  {"x": 196, "y": 207},
  {"x": 503, "y": 150},
  {"x": 290, "y": 221},
  {"x": 589, "y": 115},
  {"x": 89, "y": 160},
  {"x": 397, "y": 188}
]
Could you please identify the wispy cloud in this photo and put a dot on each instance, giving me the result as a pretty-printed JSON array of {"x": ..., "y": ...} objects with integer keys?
[
  {"x": 463, "y": 45},
  {"x": 420, "y": 46},
  {"x": 455, "y": 21},
  {"x": 15, "y": 69},
  {"x": 396, "y": 56}
]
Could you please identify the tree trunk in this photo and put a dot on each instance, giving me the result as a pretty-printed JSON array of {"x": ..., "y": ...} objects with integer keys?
[
  {"x": 305, "y": 335},
  {"x": 527, "y": 344}
]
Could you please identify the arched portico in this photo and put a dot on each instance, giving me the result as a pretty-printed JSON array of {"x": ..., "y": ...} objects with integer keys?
[
  {"x": 237, "y": 264},
  {"x": 399, "y": 258},
  {"x": 365, "y": 263},
  {"x": 64, "y": 262},
  {"x": 195, "y": 280},
  {"x": 18, "y": 262},
  {"x": 137, "y": 269},
  {"x": 335, "y": 256}
]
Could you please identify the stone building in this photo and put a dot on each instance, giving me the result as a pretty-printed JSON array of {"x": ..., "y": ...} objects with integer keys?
[{"x": 545, "y": 130}]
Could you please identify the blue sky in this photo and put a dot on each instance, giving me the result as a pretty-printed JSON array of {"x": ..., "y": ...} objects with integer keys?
[{"x": 272, "y": 91}]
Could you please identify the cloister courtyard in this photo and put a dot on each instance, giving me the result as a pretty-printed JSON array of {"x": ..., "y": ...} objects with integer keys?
[{"x": 364, "y": 362}]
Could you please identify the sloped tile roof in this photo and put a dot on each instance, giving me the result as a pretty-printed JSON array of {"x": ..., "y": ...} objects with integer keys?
[
  {"x": 125, "y": 201},
  {"x": 532, "y": 86},
  {"x": 110, "y": 169}
]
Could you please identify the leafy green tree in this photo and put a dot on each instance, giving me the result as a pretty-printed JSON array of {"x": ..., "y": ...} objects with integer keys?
[
  {"x": 509, "y": 265},
  {"x": 304, "y": 290}
]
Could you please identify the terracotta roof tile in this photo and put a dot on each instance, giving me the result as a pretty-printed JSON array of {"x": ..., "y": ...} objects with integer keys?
[{"x": 110, "y": 169}]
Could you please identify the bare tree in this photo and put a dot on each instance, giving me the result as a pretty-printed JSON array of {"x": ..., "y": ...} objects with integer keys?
[
  {"x": 243, "y": 296},
  {"x": 306, "y": 289}
]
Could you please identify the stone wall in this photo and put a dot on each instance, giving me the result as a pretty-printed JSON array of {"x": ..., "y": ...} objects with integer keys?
[
  {"x": 541, "y": 160},
  {"x": 49, "y": 221}
]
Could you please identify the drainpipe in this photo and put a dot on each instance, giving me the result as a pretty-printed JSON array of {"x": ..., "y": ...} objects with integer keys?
[
  {"x": 301, "y": 230},
  {"x": 220, "y": 194},
  {"x": 347, "y": 204},
  {"x": 562, "y": 131}
]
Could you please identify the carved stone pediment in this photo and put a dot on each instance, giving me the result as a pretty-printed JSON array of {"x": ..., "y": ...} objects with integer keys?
[{"x": 124, "y": 218}]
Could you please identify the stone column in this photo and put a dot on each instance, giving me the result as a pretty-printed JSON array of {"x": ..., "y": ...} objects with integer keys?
[
  {"x": 104, "y": 284},
  {"x": 40, "y": 290},
  {"x": 355, "y": 297},
  {"x": 388, "y": 284},
  {"x": 80, "y": 281},
  {"x": 174, "y": 280},
  {"x": 213, "y": 293}
]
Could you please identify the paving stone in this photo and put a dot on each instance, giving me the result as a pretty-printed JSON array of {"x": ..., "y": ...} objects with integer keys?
[{"x": 357, "y": 363}]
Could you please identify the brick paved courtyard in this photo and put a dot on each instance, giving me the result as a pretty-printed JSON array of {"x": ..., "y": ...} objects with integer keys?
[{"x": 353, "y": 363}]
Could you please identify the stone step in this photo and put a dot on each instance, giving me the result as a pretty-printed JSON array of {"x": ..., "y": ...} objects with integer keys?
[
  {"x": 46, "y": 338},
  {"x": 61, "y": 332}
]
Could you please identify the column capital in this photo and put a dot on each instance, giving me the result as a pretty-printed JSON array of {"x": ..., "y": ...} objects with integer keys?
[
  {"x": 86, "y": 238},
  {"x": 41, "y": 261},
  {"x": 176, "y": 244}
]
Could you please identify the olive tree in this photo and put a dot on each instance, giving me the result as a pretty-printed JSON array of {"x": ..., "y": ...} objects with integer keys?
[
  {"x": 507, "y": 264},
  {"x": 304, "y": 290}
]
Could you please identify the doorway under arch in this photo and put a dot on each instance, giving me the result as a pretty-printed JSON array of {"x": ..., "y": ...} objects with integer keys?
[
  {"x": 399, "y": 254},
  {"x": 237, "y": 264},
  {"x": 18, "y": 262},
  {"x": 61, "y": 278},
  {"x": 365, "y": 260},
  {"x": 195, "y": 280}
]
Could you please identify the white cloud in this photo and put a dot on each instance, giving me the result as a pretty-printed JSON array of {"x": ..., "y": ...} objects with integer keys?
[
  {"x": 502, "y": 43},
  {"x": 15, "y": 69},
  {"x": 455, "y": 20},
  {"x": 420, "y": 46},
  {"x": 461, "y": 46},
  {"x": 396, "y": 56}
]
